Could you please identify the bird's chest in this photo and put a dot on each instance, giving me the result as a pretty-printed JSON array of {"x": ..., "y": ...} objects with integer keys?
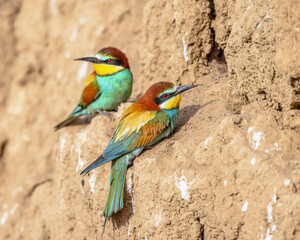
[
  {"x": 116, "y": 83},
  {"x": 115, "y": 89},
  {"x": 173, "y": 115}
]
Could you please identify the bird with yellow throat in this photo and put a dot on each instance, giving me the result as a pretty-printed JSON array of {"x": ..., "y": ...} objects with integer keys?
[
  {"x": 109, "y": 85},
  {"x": 143, "y": 124}
]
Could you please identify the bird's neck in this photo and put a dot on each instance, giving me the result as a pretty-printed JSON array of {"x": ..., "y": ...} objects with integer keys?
[
  {"x": 106, "y": 69},
  {"x": 173, "y": 114}
]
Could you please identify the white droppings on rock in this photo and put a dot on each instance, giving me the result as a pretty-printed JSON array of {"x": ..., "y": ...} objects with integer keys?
[
  {"x": 287, "y": 182},
  {"x": 82, "y": 71},
  {"x": 225, "y": 182},
  {"x": 129, "y": 183},
  {"x": 269, "y": 207},
  {"x": 59, "y": 74},
  {"x": 256, "y": 138},
  {"x": 245, "y": 206},
  {"x": 74, "y": 34},
  {"x": 16, "y": 105},
  {"x": 183, "y": 185},
  {"x": 16, "y": 191},
  {"x": 253, "y": 160},
  {"x": 250, "y": 6},
  {"x": 258, "y": 24},
  {"x": 81, "y": 188},
  {"x": 82, "y": 137},
  {"x": 80, "y": 161},
  {"x": 4, "y": 218},
  {"x": 128, "y": 230},
  {"x": 269, "y": 210},
  {"x": 205, "y": 143},
  {"x": 13, "y": 209},
  {"x": 83, "y": 20},
  {"x": 67, "y": 54},
  {"x": 202, "y": 146},
  {"x": 276, "y": 147},
  {"x": 250, "y": 129},
  {"x": 274, "y": 198},
  {"x": 269, "y": 236},
  {"x": 62, "y": 140},
  {"x": 53, "y": 7},
  {"x": 157, "y": 220},
  {"x": 99, "y": 31},
  {"x": 71, "y": 149},
  {"x": 270, "y": 233},
  {"x": 92, "y": 182},
  {"x": 185, "y": 48},
  {"x": 129, "y": 189}
]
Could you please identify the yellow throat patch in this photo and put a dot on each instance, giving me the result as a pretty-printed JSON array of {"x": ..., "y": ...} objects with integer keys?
[
  {"x": 106, "y": 69},
  {"x": 172, "y": 103}
]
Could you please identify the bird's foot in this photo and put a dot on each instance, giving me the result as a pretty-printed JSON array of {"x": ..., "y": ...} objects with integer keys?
[{"x": 97, "y": 111}]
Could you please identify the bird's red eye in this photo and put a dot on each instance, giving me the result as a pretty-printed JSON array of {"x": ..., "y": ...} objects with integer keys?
[
  {"x": 109, "y": 60},
  {"x": 165, "y": 95}
]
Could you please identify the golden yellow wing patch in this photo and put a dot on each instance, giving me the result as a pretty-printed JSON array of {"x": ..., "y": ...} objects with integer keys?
[
  {"x": 150, "y": 131},
  {"x": 133, "y": 123},
  {"x": 90, "y": 79}
]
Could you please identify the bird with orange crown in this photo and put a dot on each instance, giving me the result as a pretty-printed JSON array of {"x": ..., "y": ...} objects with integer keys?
[
  {"x": 143, "y": 124},
  {"x": 109, "y": 85}
]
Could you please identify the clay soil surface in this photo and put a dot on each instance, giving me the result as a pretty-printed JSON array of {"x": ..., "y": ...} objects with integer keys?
[{"x": 231, "y": 168}]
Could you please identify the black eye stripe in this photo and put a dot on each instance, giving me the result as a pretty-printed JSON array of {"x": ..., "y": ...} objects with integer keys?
[
  {"x": 114, "y": 62},
  {"x": 162, "y": 98}
]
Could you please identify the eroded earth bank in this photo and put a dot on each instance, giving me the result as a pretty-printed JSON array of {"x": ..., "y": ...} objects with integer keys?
[{"x": 229, "y": 171}]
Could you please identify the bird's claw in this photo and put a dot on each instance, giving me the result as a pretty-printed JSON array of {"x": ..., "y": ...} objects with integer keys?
[{"x": 97, "y": 111}]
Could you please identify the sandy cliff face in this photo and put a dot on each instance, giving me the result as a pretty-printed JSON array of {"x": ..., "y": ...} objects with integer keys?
[{"x": 229, "y": 171}]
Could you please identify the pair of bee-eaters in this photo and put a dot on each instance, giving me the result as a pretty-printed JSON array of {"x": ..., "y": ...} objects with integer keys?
[{"x": 143, "y": 124}]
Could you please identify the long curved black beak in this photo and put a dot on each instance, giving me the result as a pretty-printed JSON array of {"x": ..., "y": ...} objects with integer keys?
[
  {"x": 89, "y": 59},
  {"x": 182, "y": 89}
]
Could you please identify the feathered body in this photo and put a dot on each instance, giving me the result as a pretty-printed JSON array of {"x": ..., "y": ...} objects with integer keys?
[
  {"x": 106, "y": 88},
  {"x": 143, "y": 124}
]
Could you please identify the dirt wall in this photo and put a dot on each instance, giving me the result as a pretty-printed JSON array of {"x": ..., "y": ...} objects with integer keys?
[{"x": 229, "y": 171}]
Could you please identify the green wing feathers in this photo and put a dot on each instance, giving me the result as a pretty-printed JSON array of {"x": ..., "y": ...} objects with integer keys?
[{"x": 126, "y": 141}]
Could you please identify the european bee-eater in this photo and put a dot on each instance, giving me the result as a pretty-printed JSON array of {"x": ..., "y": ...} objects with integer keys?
[
  {"x": 106, "y": 88},
  {"x": 143, "y": 124}
]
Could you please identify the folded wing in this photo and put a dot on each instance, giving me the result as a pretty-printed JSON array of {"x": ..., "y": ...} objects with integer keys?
[{"x": 136, "y": 130}]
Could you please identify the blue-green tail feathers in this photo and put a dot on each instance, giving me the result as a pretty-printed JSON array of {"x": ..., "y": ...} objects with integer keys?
[
  {"x": 77, "y": 112},
  {"x": 115, "y": 199},
  {"x": 98, "y": 162},
  {"x": 66, "y": 122}
]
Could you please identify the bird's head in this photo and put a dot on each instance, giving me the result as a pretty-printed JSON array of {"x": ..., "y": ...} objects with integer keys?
[
  {"x": 108, "y": 61},
  {"x": 164, "y": 96}
]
